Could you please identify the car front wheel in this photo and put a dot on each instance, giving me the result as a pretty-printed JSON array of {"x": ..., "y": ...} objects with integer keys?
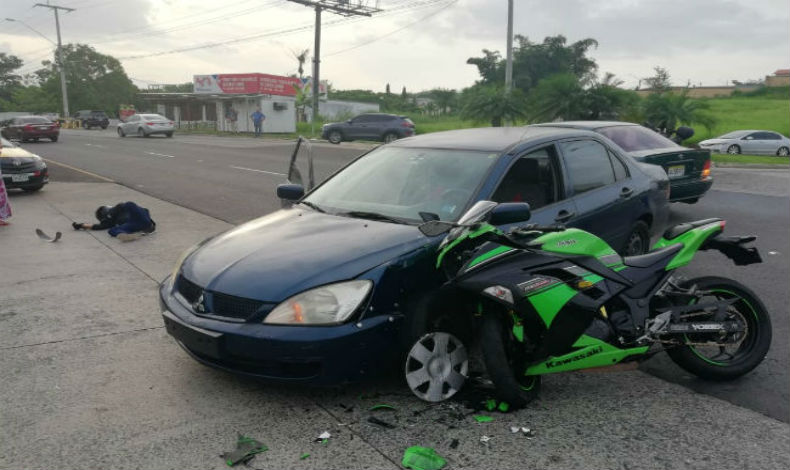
[
  {"x": 335, "y": 137},
  {"x": 141, "y": 132},
  {"x": 783, "y": 151},
  {"x": 121, "y": 133},
  {"x": 390, "y": 137},
  {"x": 733, "y": 150}
]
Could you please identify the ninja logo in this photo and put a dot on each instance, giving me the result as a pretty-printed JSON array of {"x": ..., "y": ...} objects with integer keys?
[
  {"x": 567, "y": 242},
  {"x": 578, "y": 357}
]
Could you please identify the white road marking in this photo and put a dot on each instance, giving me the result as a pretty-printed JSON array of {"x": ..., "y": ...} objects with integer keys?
[
  {"x": 160, "y": 154},
  {"x": 259, "y": 171},
  {"x": 95, "y": 145}
]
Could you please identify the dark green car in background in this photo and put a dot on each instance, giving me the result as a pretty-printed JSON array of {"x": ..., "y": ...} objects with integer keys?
[{"x": 689, "y": 170}]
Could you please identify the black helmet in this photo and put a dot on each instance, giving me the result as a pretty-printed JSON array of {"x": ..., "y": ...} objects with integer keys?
[{"x": 103, "y": 212}]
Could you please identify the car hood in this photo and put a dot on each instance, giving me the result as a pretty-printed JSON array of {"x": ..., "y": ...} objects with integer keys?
[
  {"x": 289, "y": 251},
  {"x": 715, "y": 141},
  {"x": 17, "y": 152}
]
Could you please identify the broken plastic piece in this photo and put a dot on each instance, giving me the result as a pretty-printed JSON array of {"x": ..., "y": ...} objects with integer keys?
[
  {"x": 483, "y": 419},
  {"x": 381, "y": 423},
  {"x": 503, "y": 407},
  {"x": 246, "y": 448},
  {"x": 485, "y": 439},
  {"x": 323, "y": 437},
  {"x": 422, "y": 458},
  {"x": 454, "y": 444},
  {"x": 528, "y": 432},
  {"x": 304, "y": 456},
  {"x": 382, "y": 406},
  {"x": 490, "y": 404},
  {"x": 514, "y": 429},
  {"x": 46, "y": 237}
]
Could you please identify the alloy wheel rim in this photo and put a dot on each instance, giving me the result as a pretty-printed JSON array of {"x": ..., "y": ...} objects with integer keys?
[{"x": 437, "y": 366}]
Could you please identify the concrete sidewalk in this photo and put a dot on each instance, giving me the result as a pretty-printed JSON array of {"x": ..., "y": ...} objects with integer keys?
[{"x": 90, "y": 379}]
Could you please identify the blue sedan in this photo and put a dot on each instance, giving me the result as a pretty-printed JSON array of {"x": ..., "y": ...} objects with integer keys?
[{"x": 338, "y": 287}]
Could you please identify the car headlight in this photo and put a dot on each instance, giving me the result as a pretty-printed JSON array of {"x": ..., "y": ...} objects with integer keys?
[
  {"x": 40, "y": 165},
  {"x": 180, "y": 261},
  {"x": 332, "y": 303}
]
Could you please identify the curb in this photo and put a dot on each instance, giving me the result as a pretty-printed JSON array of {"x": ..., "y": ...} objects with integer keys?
[{"x": 753, "y": 166}]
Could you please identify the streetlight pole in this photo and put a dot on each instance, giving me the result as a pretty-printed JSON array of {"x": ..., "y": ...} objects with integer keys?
[
  {"x": 61, "y": 65},
  {"x": 509, "y": 62}
]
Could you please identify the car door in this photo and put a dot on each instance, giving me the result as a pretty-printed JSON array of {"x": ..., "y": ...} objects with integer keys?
[
  {"x": 753, "y": 143},
  {"x": 601, "y": 189},
  {"x": 772, "y": 142},
  {"x": 536, "y": 177},
  {"x": 360, "y": 127},
  {"x": 129, "y": 126}
]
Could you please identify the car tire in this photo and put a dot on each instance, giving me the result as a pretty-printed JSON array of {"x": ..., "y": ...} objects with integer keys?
[
  {"x": 141, "y": 132},
  {"x": 121, "y": 133},
  {"x": 638, "y": 241},
  {"x": 104, "y": 127},
  {"x": 390, "y": 137},
  {"x": 783, "y": 152},
  {"x": 733, "y": 149},
  {"x": 168, "y": 134},
  {"x": 33, "y": 189},
  {"x": 335, "y": 137},
  {"x": 35, "y": 139},
  {"x": 54, "y": 138},
  {"x": 693, "y": 200}
]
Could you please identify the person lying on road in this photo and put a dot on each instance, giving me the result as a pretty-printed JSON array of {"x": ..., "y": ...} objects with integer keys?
[{"x": 127, "y": 221}]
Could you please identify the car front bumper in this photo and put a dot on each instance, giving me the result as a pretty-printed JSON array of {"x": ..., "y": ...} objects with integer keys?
[
  {"x": 683, "y": 190},
  {"x": 315, "y": 355}
]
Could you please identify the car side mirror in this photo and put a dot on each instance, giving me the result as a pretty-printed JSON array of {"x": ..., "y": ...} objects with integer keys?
[
  {"x": 509, "y": 213},
  {"x": 290, "y": 192}
]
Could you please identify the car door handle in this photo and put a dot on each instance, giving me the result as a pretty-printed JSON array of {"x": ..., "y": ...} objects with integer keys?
[
  {"x": 626, "y": 192},
  {"x": 564, "y": 215}
]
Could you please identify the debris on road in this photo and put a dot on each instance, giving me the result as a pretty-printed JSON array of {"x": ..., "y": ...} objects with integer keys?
[
  {"x": 483, "y": 418},
  {"x": 454, "y": 444},
  {"x": 378, "y": 422},
  {"x": 46, "y": 237},
  {"x": 529, "y": 433},
  {"x": 246, "y": 449},
  {"x": 485, "y": 439},
  {"x": 304, "y": 456},
  {"x": 382, "y": 406},
  {"x": 323, "y": 437},
  {"x": 422, "y": 458}
]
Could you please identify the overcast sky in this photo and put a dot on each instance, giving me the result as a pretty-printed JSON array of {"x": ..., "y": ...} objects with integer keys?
[{"x": 419, "y": 44}]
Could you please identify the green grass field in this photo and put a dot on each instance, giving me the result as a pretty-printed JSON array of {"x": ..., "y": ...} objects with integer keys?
[
  {"x": 737, "y": 113},
  {"x": 752, "y": 159}
]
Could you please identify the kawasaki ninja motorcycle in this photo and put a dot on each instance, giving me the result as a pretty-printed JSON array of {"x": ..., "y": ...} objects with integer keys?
[{"x": 553, "y": 299}]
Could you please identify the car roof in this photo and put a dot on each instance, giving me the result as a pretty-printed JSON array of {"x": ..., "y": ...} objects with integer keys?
[
  {"x": 591, "y": 125},
  {"x": 494, "y": 139}
]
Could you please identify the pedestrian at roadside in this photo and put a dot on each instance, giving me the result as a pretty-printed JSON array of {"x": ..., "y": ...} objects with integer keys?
[
  {"x": 232, "y": 116},
  {"x": 5, "y": 206},
  {"x": 257, "y": 120},
  {"x": 127, "y": 221}
]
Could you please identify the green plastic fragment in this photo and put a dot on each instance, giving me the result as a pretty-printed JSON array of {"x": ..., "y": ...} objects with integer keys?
[
  {"x": 483, "y": 419},
  {"x": 304, "y": 456},
  {"x": 382, "y": 406},
  {"x": 246, "y": 448},
  {"x": 503, "y": 407},
  {"x": 422, "y": 458},
  {"x": 324, "y": 441},
  {"x": 490, "y": 404}
]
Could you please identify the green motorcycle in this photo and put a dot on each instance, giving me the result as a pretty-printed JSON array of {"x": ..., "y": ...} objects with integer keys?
[{"x": 552, "y": 299}]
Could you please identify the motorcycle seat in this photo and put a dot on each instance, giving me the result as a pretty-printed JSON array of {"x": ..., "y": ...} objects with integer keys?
[
  {"x": 680, "y": 229},
  {"x": 654, "y": 258}
]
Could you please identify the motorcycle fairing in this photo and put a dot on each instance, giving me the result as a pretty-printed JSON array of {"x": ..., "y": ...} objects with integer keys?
[{"x": 589, "y": 352}]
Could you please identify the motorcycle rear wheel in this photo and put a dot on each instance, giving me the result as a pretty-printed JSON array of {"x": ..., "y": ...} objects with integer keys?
[
  {"x": 751, "y": 348},
  {"x": 505, "y": 363}
]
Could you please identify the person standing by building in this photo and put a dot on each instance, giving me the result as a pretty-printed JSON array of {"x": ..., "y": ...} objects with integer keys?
[
  {"x": 232, "y": 116},
  {"x": 5, "y": 206},
  {"x": 257, "y": 120}
]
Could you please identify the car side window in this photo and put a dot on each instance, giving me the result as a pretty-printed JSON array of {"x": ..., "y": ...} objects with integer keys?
[
  {"x": 752, "y": 136},
  {"x": 531, "y": 179},
  {"x": 588, "y": 165},
  {"x": 363, "y": 119},
  {"x": 771, "y": 136},
  {"x": 620, "y": 170}
]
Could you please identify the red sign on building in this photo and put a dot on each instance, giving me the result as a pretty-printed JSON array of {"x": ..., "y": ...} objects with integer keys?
[{"x": 246, "y": 83}]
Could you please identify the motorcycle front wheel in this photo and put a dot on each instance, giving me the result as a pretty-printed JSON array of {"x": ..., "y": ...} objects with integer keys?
[
  {"x": 726, "y": 358},
  {"x": 505, "y": 363}
]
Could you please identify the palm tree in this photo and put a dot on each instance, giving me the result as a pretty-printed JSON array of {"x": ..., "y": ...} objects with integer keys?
[
  {"x": 494, "y": 104},
  {"x": 668, "y": 110}
]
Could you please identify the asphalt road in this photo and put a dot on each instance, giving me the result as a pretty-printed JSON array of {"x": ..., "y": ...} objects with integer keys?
[{"x": 234, "y": 179}]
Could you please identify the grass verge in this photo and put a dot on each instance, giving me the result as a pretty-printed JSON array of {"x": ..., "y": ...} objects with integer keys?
[{"x": 751, "y": 159}]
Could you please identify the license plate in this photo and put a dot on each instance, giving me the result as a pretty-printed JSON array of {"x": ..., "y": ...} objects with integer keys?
[
  {"x": 20, "y": 178},
  {"x": 676, "y": 171}
]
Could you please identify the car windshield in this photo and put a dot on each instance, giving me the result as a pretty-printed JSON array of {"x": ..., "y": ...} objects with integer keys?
[
  {"x": 402, "y": 182},
  {"x": 733, "y": 135},
  {"x": 635, "y": 138},
  {"x": 34, "y": 120},
  {"x": 153, "y": 117}
]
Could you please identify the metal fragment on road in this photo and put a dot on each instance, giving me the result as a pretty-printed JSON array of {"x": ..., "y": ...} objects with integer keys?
[{"x": 46, "y": 237}]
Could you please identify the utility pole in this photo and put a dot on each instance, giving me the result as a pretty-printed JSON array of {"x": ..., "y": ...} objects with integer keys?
[
  {"x": 341, "y": 7},
  {"x": 509, "y": 62},
  {"x": 61, "y": 66}
]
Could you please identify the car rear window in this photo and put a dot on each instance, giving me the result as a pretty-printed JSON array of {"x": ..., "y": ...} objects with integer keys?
[
  {"x": 635, "y": 138},
  {"x": 153, "y": 117},
  {"x": 34, "y": 120}
]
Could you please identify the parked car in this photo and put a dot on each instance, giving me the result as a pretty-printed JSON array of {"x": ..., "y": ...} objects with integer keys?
[
  {"x": 146, "y": 125},
  {"x": 33, "y": 128},
  {"x": 332, "y": 289},
  {"x": 749, "y": 142},
  {"x": 22, "y": 169},
  {"x": 371, "y": 126},
  {"x": 689, "y": 170},
  {"x": 92, "y": 119}
]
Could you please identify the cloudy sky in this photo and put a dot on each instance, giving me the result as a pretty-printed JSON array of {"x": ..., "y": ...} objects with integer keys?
[{"x": 419, "y": 44}]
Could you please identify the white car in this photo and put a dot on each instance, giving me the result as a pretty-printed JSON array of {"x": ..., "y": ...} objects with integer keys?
[
  {"x": 750, "y": 143},
  {"x": 144, "y": 125}
]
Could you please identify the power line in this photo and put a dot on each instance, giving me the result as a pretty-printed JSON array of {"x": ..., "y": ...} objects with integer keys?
[{"x": 362, "y": 44}]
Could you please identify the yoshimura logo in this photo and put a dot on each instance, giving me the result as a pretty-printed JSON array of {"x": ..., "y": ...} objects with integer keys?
[{"x": 578, "y": 357}]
